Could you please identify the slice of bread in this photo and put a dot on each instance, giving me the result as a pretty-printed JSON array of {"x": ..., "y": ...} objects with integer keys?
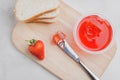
[
  {"x": 27, "y": 10},
  {"x": 49, "y": 15}
]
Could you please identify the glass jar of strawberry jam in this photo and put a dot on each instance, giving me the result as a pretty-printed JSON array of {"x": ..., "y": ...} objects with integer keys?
[{"x": 93, "y": 34}]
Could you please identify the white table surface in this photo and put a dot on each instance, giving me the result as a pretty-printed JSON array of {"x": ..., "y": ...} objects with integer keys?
[{"x": 16, "y": 66}]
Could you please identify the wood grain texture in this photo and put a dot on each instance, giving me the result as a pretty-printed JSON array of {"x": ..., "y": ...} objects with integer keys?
[{"x": 56, "y": 61}]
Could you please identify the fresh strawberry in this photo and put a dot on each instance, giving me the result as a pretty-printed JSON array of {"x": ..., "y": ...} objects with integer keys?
[{"x": 36, "y": 47}]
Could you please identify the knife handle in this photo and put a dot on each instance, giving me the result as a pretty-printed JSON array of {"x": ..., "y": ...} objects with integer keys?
[{"x": 91, "y": 74}]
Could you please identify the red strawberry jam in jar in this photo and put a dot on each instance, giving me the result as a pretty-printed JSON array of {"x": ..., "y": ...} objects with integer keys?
[{"x": 93, "y": 34}]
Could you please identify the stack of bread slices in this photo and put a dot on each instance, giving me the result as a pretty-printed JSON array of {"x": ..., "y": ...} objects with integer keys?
[{"x": 40, "y": 11}]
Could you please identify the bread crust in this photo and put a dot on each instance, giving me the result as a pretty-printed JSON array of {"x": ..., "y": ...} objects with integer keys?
[
  {"x": 42, "y": 22},
  {"x": 55, "y": 14},
  {"x": 34, "y": 17},
  {"x": 45, "y": 20},
  {"x": 52, "y": 17}
]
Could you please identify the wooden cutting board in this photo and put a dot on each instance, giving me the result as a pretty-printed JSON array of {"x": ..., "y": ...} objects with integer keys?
[{"x": 56, "y": 61}]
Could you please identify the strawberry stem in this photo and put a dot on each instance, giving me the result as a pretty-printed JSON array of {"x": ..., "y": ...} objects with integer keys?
[{"x": 31, "y": 42}]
